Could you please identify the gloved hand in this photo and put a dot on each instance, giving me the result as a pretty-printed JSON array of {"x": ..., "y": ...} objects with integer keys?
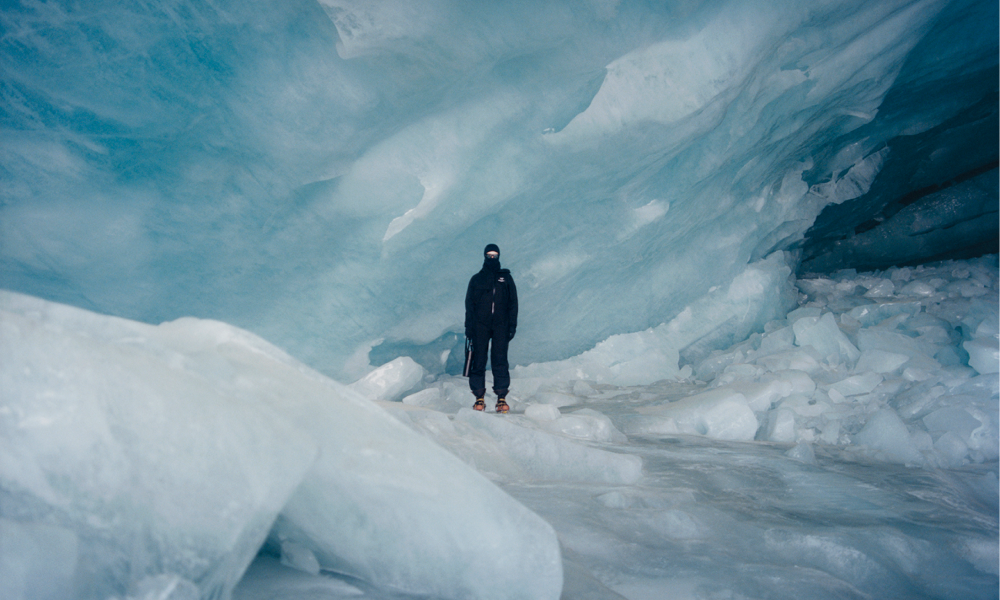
[
  {"x": 510, "y": 335},
  {"x": 468, "y": 333}
]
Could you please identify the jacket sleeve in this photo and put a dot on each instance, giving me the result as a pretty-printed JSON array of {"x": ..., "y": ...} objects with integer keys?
[
  {"x": 512, "y": 309},
  {"x": 470, "y": 307}
]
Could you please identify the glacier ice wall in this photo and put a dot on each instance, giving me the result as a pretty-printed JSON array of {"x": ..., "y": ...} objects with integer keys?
[{"x": 326, "y": 174}]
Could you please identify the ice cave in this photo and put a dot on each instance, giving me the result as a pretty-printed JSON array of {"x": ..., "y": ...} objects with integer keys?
[{"x": 755, "y": 247}]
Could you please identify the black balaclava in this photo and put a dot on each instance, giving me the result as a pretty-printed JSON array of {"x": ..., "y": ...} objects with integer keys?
[{"x": 491, "y": 264}]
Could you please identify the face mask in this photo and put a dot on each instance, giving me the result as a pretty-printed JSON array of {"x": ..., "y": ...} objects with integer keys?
[{"x": 492, "y": 264}]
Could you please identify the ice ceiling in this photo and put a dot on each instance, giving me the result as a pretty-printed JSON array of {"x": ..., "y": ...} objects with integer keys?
[{"x": 327, "y": 173}]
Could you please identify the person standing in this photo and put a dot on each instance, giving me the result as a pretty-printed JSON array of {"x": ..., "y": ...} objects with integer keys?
[{"x": 490, "y": 323}]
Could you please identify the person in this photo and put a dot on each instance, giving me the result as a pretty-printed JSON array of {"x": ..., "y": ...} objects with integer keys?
[{"x": 490, "y": 323}]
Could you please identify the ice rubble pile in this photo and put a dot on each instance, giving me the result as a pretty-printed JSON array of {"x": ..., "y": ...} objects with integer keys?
[
  {"x": 903, "y": 363},
  {"x": 900, "y": 365},
  {"x": 147, "y": 461}
]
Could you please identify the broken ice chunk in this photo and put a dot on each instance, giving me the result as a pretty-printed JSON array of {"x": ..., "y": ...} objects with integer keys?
[
  {"x": 823, "y": 334},
  {"x": 880, "y": 361}
]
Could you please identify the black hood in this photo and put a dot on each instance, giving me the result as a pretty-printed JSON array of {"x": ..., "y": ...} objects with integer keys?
[{"x": 491, "y": 264}]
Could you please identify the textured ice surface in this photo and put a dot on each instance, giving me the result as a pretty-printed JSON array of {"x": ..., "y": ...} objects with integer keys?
[
  {"x": 326, "y": 174},
  {"x": 187, "y": 440},
  {"x": 958, "y": 217},
  {"x": 762, "y": 292}
]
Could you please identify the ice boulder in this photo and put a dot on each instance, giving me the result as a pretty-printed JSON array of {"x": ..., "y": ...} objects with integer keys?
[
  {"x": 720, "y": 413},
  {"x": 872, "y": 314},
  {"x": 887, "y": 437},
  {"x": 798, "y": 359},
  {"x": 781, "y": 425},
  {"x": 779, "y": 340},
  {"x": 625, "y": 359},
  {"x": 798, "y": 381},
  {"x": 919, "y": 352},
  {"x": 823, "y": 334},
  {"x": 856, "y": 385},
  {"x": 542, "y": 412},
  {"x": 387, "y": 505},
  {"x": 880, "y": 361},
  {"x": 984, "y": 355},
  {"x": 802, "y": 452},
  {"x": 918, "y": 288},
  {"x": 188, "y": 439},
  {"x": 804, "y": 406},
  {"x": 984, "y": 348},
  {"x": 951, "y": 450},
  {"x": 429, "y": 397},
  {"x": 390, "y": 381},
  {"x": 586, "y": 424},
  {"x": 954, "y": 420},
  {"x": 761, "y": 395},
  {"x": 117, "y": 435}
]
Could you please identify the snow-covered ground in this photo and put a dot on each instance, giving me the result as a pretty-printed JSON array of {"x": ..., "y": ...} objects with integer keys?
[{"x": 849, "y": 451}]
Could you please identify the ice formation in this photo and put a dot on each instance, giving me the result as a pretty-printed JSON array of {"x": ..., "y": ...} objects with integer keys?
[
  {"x": 154, "y": 461},
  {"x": 326, "y": 174},
  {"x": 904, "y": 359},
  {"x": 210, "y": 447},
  {"x": 870, "y": 370},
  {"x": 678, "y": 188},
  {"x": 870, "y": 351}
]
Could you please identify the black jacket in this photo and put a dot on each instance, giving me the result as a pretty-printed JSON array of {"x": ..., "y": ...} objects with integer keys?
[{"x": 492, "y": 301}]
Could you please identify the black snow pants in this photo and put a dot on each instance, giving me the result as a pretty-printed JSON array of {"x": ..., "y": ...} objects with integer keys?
[{"x": 481, "y": 341}]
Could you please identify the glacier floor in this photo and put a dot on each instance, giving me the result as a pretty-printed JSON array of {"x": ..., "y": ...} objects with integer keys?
[{"x": 721, "y": 519}]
